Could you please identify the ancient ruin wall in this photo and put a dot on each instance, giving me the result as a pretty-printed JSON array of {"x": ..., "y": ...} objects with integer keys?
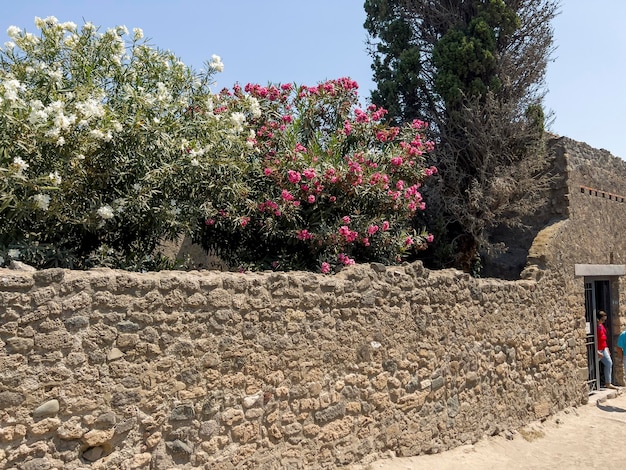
[
  {"x": 594, "y": 232},
  {"x": 108, "y": 369},
  {"x": 597, "y": 204}
]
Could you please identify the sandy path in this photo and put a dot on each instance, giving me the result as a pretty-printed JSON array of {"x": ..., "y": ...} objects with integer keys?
[{"x": 592, "y": 436}]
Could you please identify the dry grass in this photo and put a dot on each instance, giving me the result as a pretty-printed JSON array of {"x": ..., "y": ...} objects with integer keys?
[{"x": 531, "y": 434}]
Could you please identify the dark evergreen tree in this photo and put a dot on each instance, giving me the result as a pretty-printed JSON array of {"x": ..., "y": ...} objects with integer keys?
[
  {"x": 474, "y": 69},
  {"x": 397, "y": 62}
]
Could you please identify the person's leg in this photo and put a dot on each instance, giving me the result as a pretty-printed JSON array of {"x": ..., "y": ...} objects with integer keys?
[{"x": 608, "y": 367}]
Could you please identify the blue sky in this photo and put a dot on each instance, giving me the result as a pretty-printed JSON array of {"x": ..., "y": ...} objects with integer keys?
[{"x": 265, "y": 41}]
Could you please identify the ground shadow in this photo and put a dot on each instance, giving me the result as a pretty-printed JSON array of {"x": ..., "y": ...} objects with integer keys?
[{"x": 612, "y": 409}]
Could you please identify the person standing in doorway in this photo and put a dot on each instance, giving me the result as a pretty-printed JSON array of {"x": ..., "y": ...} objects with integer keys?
[{"x": 603, "y": 351}]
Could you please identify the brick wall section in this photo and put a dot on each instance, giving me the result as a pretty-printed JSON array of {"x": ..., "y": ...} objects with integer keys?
[{"x": 222, "y": 370}]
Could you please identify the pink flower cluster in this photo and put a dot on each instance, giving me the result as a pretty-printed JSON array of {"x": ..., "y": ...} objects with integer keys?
[
  {"x": 286, "y": 195},
  {"x": 270, "y": 206},
  {"x": 272, "y": 93},
  {"x": 347, "y": 234},
  {"x": 294, "y": 176},
  {"x": 430, "y": 171},
  {"x": 387, "y": 135},
  {"x": 380, "y": 179},
  {"x": 330, "y": 87},
  {"x": 345, "y": 259},
  {"x": 349, "y": 163},
  {"x": 304, "y": 234}
]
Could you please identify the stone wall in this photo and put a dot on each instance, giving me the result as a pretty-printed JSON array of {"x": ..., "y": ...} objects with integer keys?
[
  {"x": 595, "y": 230},
  {"x": 107, "y": 369},
  {"x": 597, "y": 203}
]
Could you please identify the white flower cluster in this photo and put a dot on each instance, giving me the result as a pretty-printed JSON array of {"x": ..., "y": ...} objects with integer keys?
[
  {"x": 14, "y": 32},
  {"x": 52, "y": 22},
  {"x": 20, "y": 165},
  {"x": 216, "y": 63},
  {"x": 105, "y": 212},
  {"x": 238, "y": 120},
  {"x": 255, "y": 107},
  {"x": 89, "y": 109},
  {"x": 38, "y": 114},
  {"x": 12, "y": 89},
  {"x": 55, "y": 178},
  {"x": 42, "y": 201},
  {"x": 97, "y": 134},
  {"x": 163, "y": 94}
]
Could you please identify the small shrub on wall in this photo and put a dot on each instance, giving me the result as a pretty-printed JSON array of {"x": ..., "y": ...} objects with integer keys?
[{"x": 109, "y": 145}]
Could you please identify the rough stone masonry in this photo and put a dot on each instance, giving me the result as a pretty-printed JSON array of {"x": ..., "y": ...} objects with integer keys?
[{"x": 109, "y": 369}]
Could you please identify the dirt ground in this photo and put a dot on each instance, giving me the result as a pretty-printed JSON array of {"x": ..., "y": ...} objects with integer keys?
[{"x": 592, "y": 436}]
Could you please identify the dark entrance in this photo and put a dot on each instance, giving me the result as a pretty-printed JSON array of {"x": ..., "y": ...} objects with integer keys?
[{"x": 597, "y": 298}]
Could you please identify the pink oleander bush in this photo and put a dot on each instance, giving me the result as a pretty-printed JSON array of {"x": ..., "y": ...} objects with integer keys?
[
  {"x": 327, "y": 184},
  {"x": 109, "y": 146}
]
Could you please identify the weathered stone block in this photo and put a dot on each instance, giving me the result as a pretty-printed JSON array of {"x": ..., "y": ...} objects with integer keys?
[
  {"x": 97, "y": 437},
  {"x": 126, "y": 326},
  {"x": 331, "y": 413},
  {"x": 412, "y": 401},
  {"x": 232, "y": 416},
  {"x": 127, "y": 341},
  {"x": 125, "y": 426},
  {"x": 44, "y": 426},
  {"x": 49, "y": 408},
  {"x": 77, "y": 302},
  {"x": 337, "y": 429},
  {"x": 19, "y": 345},
  {"x": 182, "y": 413},
  {"x": 77, "y": 322},
  {"x": 542, "y": 409},
  {"x": 71, "y": 429},
  {"x": 246, "y": 432},
  {"x": 179, "y": 447},
  {"x": 12, "y": 433},
  {"x": 15, "y": 281},
  {"x": 437, "y": 383},
  {"x": 49, "y": 276}
]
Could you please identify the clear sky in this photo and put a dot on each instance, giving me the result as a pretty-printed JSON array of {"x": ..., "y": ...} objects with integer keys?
[{"x": 274, "y": 41}]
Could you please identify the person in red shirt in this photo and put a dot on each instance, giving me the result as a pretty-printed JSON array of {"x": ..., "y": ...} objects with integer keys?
[{"x": 603, "y": 351}]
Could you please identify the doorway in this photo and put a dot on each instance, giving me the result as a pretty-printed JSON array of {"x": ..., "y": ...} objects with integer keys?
[{"x": 597, "y": 298}]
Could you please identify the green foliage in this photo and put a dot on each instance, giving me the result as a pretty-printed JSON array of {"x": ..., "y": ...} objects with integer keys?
[
  {"x": 480, "y": 82},
  {"x": 397, "y": 60},
  {"x": 536, "y": 117},
  {"x": 466, "y": 56},
  {"x": 109, "y": 146},
  {"x": 97, "y": 141},
  {"x": 329, "y": 184}
]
